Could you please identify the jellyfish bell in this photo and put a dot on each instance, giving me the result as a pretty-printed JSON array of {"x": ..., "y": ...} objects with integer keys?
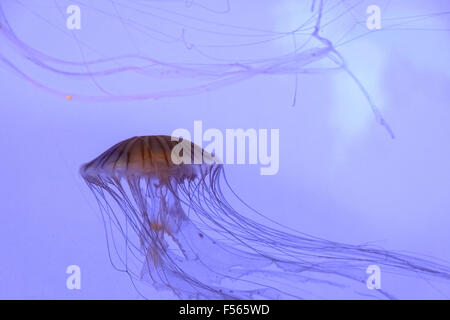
[
  {"x": 151, "y": 157},
  {"x": 170, "y": 226}
]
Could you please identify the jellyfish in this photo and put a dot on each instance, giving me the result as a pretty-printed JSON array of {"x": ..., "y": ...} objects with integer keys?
[{"x": 171, "y": 224}]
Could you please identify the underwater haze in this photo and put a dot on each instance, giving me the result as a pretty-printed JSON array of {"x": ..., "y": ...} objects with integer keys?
[{"x": 359, "y": 179}]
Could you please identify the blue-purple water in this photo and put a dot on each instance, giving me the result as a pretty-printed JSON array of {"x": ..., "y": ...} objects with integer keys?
[{"x": 150, "y": 67}]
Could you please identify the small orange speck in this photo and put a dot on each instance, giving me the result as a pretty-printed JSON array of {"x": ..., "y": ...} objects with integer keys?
[
  {"x": 157, "y": 226},
  {"x": 69, "y": 97}
]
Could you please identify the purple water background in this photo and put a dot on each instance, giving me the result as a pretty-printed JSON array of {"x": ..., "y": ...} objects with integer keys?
[{"x": 341, "y": 177}]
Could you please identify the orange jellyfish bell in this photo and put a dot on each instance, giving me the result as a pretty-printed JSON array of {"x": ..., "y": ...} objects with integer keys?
[{"x": 159, "y": 158}]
